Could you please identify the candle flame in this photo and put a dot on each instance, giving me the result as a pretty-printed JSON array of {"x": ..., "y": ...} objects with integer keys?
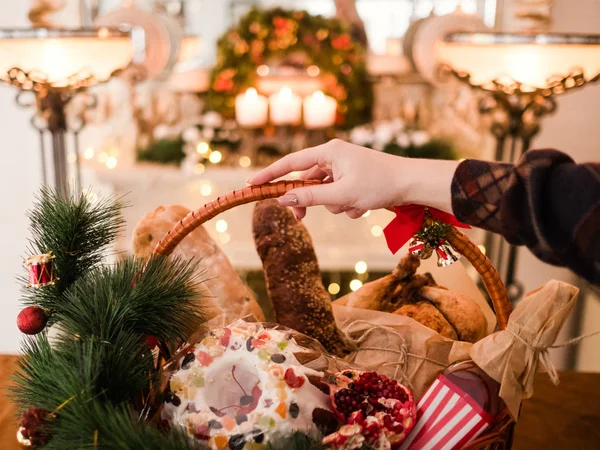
[
  {"x": 285, "y": 93},
  {"x": 251, "y": 93},
  {"x": 319, "y": 96}
]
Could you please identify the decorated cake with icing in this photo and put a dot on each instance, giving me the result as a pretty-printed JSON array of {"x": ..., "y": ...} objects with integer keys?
[{"x": 240, "y": 386}]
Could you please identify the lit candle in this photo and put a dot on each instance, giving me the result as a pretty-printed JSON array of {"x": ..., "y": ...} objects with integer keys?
[
  {"x": 319, "y": 110},
  {"x": 285, "y": 107},
  {"x": 251, "y": 109}
]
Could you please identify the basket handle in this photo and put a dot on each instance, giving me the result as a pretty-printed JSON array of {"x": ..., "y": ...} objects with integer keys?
[{"x": 460, "y": 242}]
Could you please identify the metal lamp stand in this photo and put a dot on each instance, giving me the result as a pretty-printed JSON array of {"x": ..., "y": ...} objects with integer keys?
[{"x": 50, "y": 117}]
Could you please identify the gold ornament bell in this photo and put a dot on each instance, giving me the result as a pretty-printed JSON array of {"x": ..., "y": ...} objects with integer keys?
[
  {"x": 446, "y": 255},
  {"x": 420, "y": 248}
]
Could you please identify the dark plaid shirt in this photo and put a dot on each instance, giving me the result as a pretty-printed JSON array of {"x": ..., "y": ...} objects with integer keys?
[{"x": 545, "y": 201}]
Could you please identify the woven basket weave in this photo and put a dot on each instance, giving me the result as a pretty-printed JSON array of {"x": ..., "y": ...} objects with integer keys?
[{"x": 500, "y": 435}]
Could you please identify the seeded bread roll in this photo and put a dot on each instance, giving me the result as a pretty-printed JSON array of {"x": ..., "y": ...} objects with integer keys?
[
  {"x": 299, "y": 298},
  {"x": 407, "y": 293},
  {"x": 390, "y": 292},
  {"x": 460, "y": 311},
  {"x": 427, "y": 314},
  {"x": 223, "y": 292}
]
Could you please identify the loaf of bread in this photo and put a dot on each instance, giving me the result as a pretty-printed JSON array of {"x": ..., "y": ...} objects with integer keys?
[
  {"x": 391, "y": 291},
  {"x": 292, "y": 273},
  {"x": 407, "y": 293},
  {"x": 223, "y": 292},
  {"x": 427, "y": 314},
  {"x": 460, "y": 311}
]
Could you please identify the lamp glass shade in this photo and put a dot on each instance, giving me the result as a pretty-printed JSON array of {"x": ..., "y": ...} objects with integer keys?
[
  {"x": 530, "y": 59},
  {"x": 58, "y": 54}
]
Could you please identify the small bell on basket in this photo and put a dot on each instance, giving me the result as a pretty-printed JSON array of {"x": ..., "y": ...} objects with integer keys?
[
  {"x": 446, "y": 254},
  {"x": 420, "y": 248},
  {"x": 423, "y": 246},
  {"x": 425, "y": 229}
]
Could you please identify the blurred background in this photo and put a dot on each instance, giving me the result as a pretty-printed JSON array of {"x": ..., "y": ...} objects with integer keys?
[{"x": 196, "y": 95}]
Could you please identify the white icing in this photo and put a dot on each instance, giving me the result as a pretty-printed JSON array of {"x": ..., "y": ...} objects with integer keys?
[{"x": 235, "y": 382}]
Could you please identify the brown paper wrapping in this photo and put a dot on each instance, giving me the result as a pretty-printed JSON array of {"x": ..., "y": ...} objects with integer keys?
[
  {"x": 513, "y": 356},
  {"x": 403, "y": 349},
  {"x": 397, "y": 346}
]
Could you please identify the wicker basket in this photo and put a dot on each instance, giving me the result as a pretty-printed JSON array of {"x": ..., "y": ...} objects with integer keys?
[{"x": 500, "y": 435}]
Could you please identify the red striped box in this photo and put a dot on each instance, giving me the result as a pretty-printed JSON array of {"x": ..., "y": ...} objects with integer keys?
[{"x": 447, "y": 419}]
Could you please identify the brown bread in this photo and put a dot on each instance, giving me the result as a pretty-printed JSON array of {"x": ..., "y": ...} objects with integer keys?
[
  {"x": 223, "y": 290},
  {"x": 300, "y": 300},
  {"x": 407, "y": 293}
]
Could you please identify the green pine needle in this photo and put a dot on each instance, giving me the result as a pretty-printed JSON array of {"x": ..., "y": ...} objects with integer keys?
[
  {"x": 75, "y": 381},
  {"x": 77, "y": 230},
  {"x": 160, "y": 300},
  {"x": 95, "y": 377},
  {"x": 115, "y": 428},
  {"x": 47, "y": 377}
]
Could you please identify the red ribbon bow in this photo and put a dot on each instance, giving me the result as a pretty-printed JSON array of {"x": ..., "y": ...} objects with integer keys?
[{"x": 409, "y": 220}]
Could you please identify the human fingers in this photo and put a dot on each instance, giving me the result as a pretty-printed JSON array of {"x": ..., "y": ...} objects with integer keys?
[
  {"x": 331, "y": 194},
  {"x": 299, "y": 212},
  {"x": 355, "y": 213},
  {"x": 315, "y": 173},
  {"x": 302, "y": 160},
  {"x": 336, "y": 209}
]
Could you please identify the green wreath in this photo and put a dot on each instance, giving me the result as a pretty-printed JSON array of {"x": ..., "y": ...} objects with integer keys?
[{"x": 263, "y": 35}]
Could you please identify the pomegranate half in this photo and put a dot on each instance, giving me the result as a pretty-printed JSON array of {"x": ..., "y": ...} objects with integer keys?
[{"x": 375, "y": 410}]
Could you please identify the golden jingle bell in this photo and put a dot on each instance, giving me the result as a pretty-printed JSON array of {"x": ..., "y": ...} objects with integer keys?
[
  {"x": 420, "y": 248},
  {"x": 446, "y": 255},
  {"x": 41, "y": 270}
]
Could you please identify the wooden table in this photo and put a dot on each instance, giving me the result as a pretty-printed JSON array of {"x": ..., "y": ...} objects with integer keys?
[
  {"x": 566, "y": 416},
  {"x": 8, "y": 420}
]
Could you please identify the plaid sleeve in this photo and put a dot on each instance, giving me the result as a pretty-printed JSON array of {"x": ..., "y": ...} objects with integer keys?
[{"x": 545, "y": 202}]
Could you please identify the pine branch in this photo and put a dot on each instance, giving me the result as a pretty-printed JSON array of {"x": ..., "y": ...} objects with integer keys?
[
  {"x": 105, "y": 317},
  {"x": 47, "y": 378},
  {"x": 76, "y": 382},
  {"x": 77, "y": 230},
  {"x": 101, "y": 426},
  {"x": 101, "y": 367},
  {"x": 161, "y": 301}
]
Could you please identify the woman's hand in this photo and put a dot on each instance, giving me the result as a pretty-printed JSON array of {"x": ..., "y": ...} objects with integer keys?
[{"x": 359, "y": 179}]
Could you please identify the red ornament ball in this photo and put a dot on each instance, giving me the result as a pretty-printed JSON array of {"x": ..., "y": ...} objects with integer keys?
[
  {"x": 32, "y": 320},
  {"x": 151, "y": 342},
  {"x": 33, "y": 428}
]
